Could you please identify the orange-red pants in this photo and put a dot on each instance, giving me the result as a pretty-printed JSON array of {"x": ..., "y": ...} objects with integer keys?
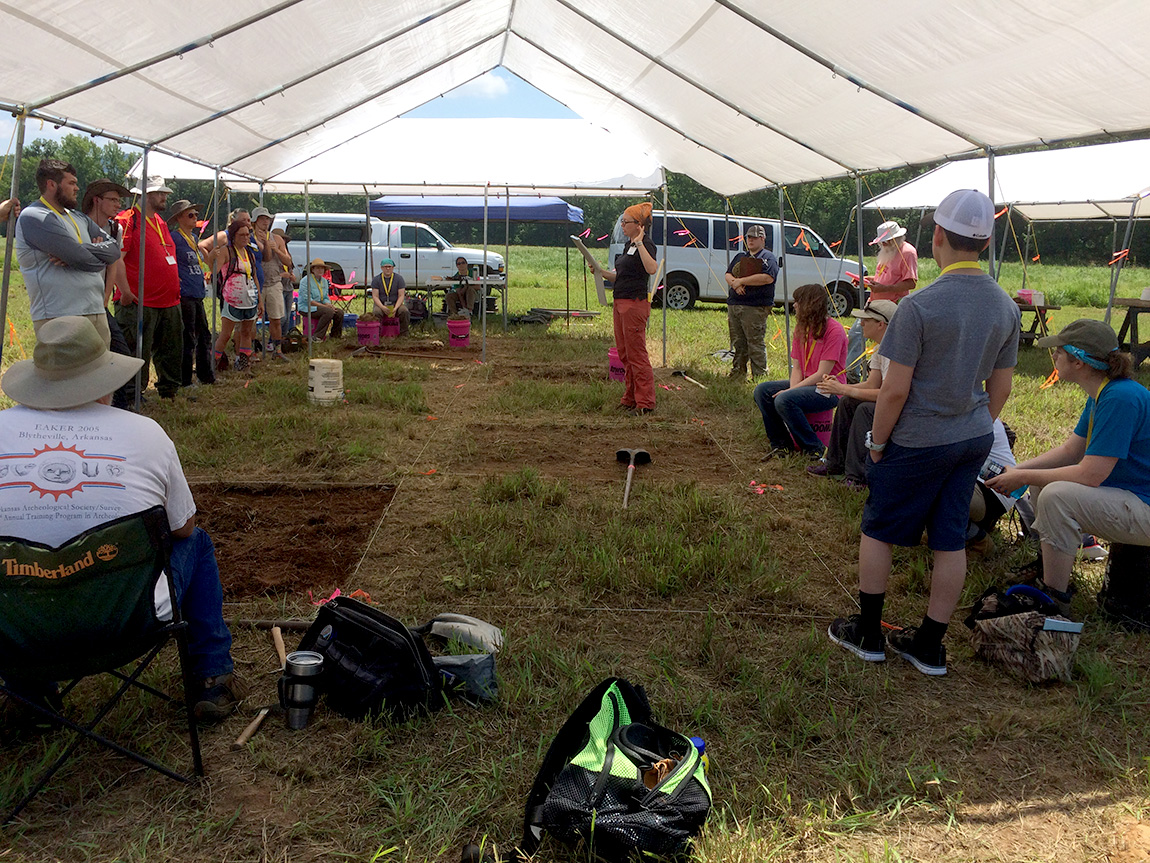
[{"x": 630, "y": 319}]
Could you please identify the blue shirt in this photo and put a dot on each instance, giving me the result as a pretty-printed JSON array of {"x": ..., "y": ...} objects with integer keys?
[
  {"x": 756, "y": 295},
  {"x": 192, "y": 285},
  {"x": 1121, "y": 431}
]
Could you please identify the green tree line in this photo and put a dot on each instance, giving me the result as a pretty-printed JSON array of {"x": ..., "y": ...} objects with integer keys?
[{"x": 826, "y": 206}]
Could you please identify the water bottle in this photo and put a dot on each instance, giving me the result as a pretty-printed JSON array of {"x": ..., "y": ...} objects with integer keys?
[{"x": 701, "y": 745}]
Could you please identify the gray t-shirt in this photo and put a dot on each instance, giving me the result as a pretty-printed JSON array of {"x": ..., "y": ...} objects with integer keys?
[
  {"x": 955, "y": 332},
  {"x": 389, "y": 292}
]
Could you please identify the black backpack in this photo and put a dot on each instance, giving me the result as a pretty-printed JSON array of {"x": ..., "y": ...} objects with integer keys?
[
  {"x": 617, "y": 781},
  {"x": 371, "y": 661}
]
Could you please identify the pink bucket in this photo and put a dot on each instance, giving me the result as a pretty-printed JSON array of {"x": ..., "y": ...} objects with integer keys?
[
  {"x": 615, "y": 370},
  {"x": 821, "y": 425},
  {"x": 367, "y": 332},
  {"x": 389, "y": 328},
  {"x": 459, "y": 333}
]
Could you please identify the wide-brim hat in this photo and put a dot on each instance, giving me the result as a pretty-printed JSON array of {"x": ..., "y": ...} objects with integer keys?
[
  {"x": 888, "y": 231},
  {"x": 280, "y": 232},
  {"x": 70, "y": 366},
  {"x": 261, "y": 211},
  {"x": 317, "y": 262},
  {"x": 181, "y": 206},
  {"x": 155, "y": 184},
  {"x": 98, "y": 188}
]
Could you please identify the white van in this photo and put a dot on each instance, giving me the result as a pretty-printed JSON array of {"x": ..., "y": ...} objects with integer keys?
[
  {"x": 697, "y": 257},
  {"x": 341, "y": 240}
]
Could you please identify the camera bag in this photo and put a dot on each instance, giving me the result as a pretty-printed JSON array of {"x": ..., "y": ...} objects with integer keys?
[{"x": 617, "y": 781}]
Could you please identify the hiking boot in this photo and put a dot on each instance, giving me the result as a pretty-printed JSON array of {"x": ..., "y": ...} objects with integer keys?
[
  {"x": 904, "y": 642},
  {"x": 221, "y": 696},
  {"x": 818, "y": 469},
  {"x": 1059, "y": 597},
  {"x": 221, "y": 364},
  {"x": 847, "y": 633},
  {"x": 1028, "y": 573},
  {"x": 778, "y": 452},
  {"x": 980, "y": 547},
  {"x": 854, "y": 484}
]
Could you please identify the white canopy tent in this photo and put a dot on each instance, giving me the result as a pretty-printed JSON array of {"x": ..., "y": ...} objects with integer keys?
[
  {"x": 1103, "y": 181},
  {"x": 455, "y": 157},
  {"x": 825, "y": 96}
]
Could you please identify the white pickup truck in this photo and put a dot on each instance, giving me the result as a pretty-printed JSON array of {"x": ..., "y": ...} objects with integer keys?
[{"x": 343, "y": 241}]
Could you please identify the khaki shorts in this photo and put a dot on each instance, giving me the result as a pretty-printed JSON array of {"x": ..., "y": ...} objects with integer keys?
[{"x": 274, "y": 299}]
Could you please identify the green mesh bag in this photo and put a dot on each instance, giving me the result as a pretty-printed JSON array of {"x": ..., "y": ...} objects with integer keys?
[{"x": 617, "y": 781}]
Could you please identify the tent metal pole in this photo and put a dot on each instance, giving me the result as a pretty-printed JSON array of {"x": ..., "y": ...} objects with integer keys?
[
  {"x": 327, "y": 67},
  {"x": 307, "y": 268},
  {"x": 567, "y": 262},
  {"x": 847, "y": 74},
  {"x": 142, "y": 239},
  {"x": 859, "y": 234},
  {"x": 267, "y": 317},
  {"x": 694, "y": 82},
  {"x": 483, "y": 278},
  {"x": 1002, "y": 248},
  {"x": 666, "y": 206},
  {"x": 631, "y": 103},
  {"x": 368, "y": 251},
  {"x": 11, "y": 230},
  {"x": 1116, "y": 268},
  {"x": 586, "y": 297},
  {"x": 783, "y": 269},
  {"x": 1026, "y": 254},
  {"x": 215, "y": 246},
  {"x": 178, "y": 51},
  {"x": 357, "y": 104},
  {"x": 261, "y": 193},
  {"x": 918, "y": 231},
  {"x": 506, "y": 251},
  {"x": 727, "y": 229},
  {"x": 990, "y": 245}
]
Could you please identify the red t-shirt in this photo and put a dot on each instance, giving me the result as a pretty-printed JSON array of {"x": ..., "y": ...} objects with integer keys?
[{"x": 161, "y": 272}]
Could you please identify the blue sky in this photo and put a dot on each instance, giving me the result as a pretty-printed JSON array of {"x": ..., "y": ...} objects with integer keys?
[{"x": 498, "y": 93}]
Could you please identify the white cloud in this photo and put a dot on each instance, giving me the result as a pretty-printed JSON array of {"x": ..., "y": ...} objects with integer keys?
[{"x": 489, "y": 86}]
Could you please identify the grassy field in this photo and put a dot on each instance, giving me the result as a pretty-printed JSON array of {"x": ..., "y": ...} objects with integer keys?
[{"x": 507, "y": 506}]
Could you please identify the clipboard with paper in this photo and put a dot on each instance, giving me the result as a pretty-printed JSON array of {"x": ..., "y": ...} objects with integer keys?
[{"x": 596, "y": 269}]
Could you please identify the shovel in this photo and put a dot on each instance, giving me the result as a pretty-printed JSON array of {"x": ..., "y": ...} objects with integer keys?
[
  {"x": 632, "y": 457},
  {"x": 679, "y": 373}
]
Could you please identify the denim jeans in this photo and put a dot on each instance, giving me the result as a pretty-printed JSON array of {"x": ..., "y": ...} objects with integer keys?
[
  {"x": 785, "y": 412},
  {"x": 196, "y": 577}
]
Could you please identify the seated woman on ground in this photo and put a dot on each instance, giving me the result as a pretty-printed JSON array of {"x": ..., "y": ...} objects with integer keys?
[
  {"x": 1098, "y": 480},
  {"x": 846, "y": 453},
  {"x": 819, "y": 348},
  {"x": 314, "y": 301}
]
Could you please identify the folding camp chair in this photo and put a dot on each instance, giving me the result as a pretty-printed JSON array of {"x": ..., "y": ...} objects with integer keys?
[{"x": 89, "y": 607}]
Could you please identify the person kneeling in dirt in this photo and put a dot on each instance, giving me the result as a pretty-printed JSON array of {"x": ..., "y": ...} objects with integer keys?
[
  {"x": 63, "y": 397},
  {"x": 1098, "y": 479}
]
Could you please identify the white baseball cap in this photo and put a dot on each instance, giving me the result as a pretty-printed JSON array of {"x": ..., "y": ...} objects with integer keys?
[
  {"x": 968, "y": 213},
  {"x": 155, "y": 184}
]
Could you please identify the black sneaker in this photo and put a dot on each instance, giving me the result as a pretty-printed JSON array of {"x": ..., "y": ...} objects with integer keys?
[
  {"x": 221, "y": 696},
  {"x": 902, "y": 642},
  {"x": 846, "y": 632}
]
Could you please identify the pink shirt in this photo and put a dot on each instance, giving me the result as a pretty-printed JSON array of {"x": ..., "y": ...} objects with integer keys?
[
  {"x": 832, "y": 346},
  {"x": 902, "y": 265}
]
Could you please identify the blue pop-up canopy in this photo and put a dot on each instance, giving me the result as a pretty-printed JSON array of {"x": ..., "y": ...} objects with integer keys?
[{"x": 425, "y": 208}]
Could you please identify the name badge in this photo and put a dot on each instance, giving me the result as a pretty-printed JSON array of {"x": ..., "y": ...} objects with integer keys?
[
  {"x": 171, "y": 260},
  {"x": 632, "y": 250}
]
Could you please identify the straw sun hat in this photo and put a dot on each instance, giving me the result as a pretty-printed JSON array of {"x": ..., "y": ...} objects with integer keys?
[{"x": 69, "y": 367}]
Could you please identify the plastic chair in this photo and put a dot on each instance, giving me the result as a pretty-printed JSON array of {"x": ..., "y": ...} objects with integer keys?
[{"x": 87, "y": 608}]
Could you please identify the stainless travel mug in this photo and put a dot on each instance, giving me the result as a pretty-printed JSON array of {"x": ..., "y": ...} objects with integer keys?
[{"x": 298, "y": 686}]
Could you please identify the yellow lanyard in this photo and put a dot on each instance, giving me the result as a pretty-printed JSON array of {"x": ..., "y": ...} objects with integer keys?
[
  {"x": 75, "y": 227},
  {"x": 245, "y": 261},
  {"x": 387, "y": 284},
  {"x": 810, "y": 353},
  {"x": 961, "y": 265},
  {"x": 1090, "y": 425},
  {"x": 195, "y": 248}
]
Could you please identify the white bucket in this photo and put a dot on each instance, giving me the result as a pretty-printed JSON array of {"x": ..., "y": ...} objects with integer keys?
[{"x": 325, "y": 381}]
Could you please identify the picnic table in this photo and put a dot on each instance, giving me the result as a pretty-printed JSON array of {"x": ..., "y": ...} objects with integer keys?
[
  {"x": 1038, "y": 328},
  {"x": 1134, "y": 307}
]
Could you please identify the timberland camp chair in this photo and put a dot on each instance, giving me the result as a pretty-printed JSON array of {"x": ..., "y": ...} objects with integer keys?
[{"x": 86, "y": 608}]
